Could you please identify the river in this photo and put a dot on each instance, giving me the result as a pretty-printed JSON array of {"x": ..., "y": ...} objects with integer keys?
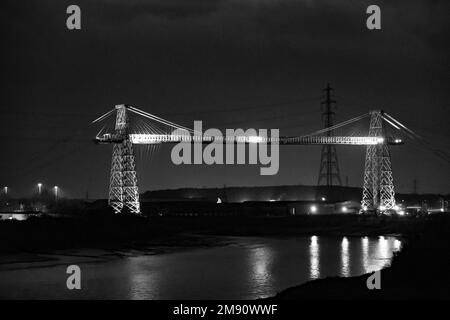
[{"x": 245, "y": 268}]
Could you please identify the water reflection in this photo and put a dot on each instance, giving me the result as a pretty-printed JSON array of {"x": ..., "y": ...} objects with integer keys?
[
  {"x": 345, "y": 258},
  {"x": 377, "y": 254},
  {"x": 397, "y": 245},
  {"x": 314, "y": 259},
  {"x": 365, "y": 253},
  {"x": 252, "y": 268},
  {"x": 140, "y": 280},
  {"x": 260, "y": 259},
  {"x": 383, "y": 253}
]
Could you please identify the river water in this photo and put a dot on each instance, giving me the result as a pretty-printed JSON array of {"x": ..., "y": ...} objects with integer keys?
[{"x": 245, "y": 268}]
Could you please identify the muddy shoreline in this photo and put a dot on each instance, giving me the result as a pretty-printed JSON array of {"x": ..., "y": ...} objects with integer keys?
[{"x": 161, "y": 234}]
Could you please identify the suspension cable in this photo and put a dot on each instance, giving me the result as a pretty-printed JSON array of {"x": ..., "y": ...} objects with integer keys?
[
  {"x": 106, "y": 115},
  {"x": 341, "y": 124},
  {"x": 158, "y": 119}
]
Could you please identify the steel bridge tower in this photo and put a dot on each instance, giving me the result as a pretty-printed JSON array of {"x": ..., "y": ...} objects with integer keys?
[
  {"x": 329, "y": 166},
  {"x": 123, "y": 190},
  {"x": 378, "y": 187}
]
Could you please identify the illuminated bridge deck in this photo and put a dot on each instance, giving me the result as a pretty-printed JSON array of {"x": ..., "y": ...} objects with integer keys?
[{"x": 305, "y": 140}]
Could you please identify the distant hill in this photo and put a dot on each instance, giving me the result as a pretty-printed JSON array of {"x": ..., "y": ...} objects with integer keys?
[
  {"x": 266, "y": 193},
  {"x": 277, "y": 193}
]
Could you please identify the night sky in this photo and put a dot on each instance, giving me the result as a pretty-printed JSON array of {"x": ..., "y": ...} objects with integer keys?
[{"x": 266, "y": 61}]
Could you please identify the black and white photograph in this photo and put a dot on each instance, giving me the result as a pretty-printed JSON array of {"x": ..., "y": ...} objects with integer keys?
[{"x": 225, "y": 158}]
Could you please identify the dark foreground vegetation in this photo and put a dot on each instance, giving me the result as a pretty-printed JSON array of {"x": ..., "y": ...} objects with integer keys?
[{"x": 419, "y": 271}]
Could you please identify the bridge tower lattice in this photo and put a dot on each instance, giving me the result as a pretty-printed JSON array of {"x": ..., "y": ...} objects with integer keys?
[
  {"x": 378, "y": 187},
  {"x": 123, "y": 189}
]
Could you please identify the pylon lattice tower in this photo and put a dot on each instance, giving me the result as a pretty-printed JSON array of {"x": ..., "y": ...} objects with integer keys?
[
  {"x": 378, "y": 187},
  {"x": 123, "y": 189},
  {"x": 329, "y": 165}
]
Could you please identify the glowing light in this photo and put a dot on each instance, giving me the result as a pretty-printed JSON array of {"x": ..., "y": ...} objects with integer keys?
[
  {"x": 364, "y": 208},
  {"x": 255, "y": 139},
  {"x": 382, "y": 208},
  {"x": 380, "y": 140},
  {"x": 323, "y": 199},
  {"x": 219, "y": 200},
  {"x": 313, "y": 209},
  {"x": 272, "y": 200},
  {"x": 401, "y": 213},
  {"x": 396, "y": 207},
  {"x": 398, "y": 140},
  {"x": 139, "y": 138},
  {"x": 442, "y": 209},
  {"x": 6, "y": 190},
  {"x": 39, "y": 185},
  {"x": 344, "y": 209}
]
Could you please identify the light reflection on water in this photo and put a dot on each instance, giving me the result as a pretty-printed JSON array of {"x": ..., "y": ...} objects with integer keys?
[
  {"x": 314, "y": 260},
  {"x": 139, "y": 282},
  {"x": 377, "y": 254},
  {"x": 260, "y": 260},
  {"x": 275, "y": 264},
  {"x": 249, "y": 268},
  {"x": 365, "y": 253},
  {"x": 345, "y": 258}
]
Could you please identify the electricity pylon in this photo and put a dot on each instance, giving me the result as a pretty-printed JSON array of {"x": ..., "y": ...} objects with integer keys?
[
  {"x": 123, "y": 190},
  {"x": 329, "y": 165},
  {"x": 378, "y": 188}
]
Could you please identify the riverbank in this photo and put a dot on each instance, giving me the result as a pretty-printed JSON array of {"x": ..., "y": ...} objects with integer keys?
[
  {"x": 167, "y": 233},
  {"x": 419, "y": 271}
]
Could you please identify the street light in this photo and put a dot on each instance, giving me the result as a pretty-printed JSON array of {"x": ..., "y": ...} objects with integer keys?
[
  {"x": 6, "y": 190},
  {"x": 39, "y": 187}
]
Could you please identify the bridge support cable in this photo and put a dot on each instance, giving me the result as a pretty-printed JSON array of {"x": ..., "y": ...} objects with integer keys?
[
  {"x": 158, "y": 119},
  {"x": 106, "y": 115},
  {"x": 339, "y": 125},
  {"x": 419, "y": 140}
]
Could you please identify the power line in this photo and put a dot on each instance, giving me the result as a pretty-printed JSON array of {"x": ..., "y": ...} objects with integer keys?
[{"x": 252, "y": 107}]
